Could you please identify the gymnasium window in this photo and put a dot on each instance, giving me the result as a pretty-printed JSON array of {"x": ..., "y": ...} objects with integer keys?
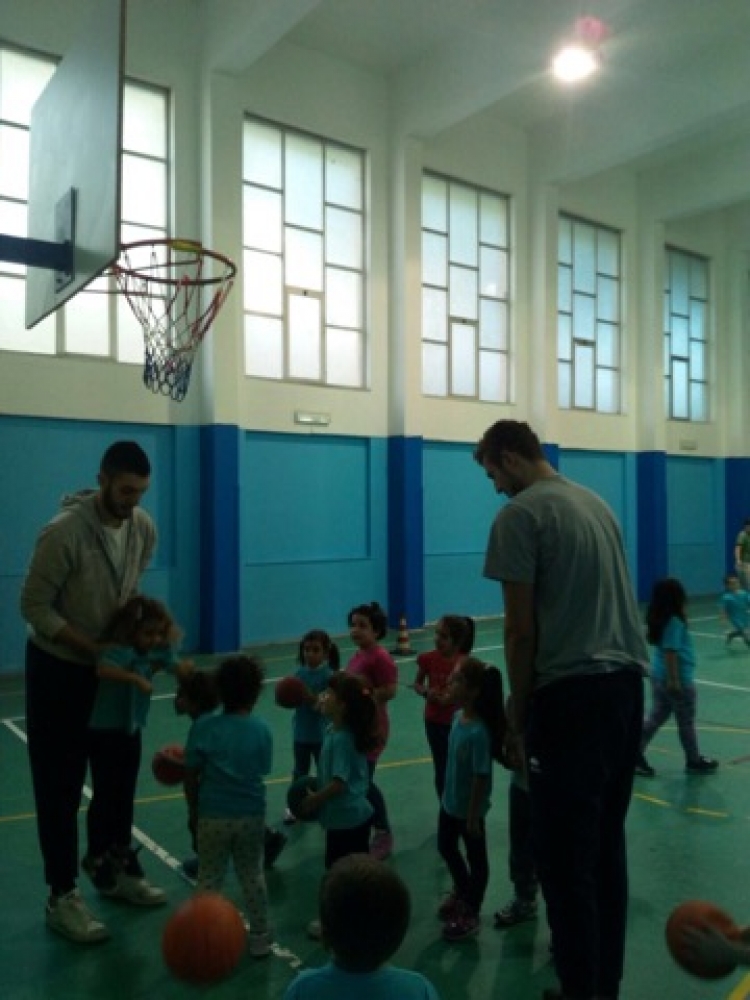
[
  {"x": 588, "y": 317},
  {"x": 304, "y": 257},
  {"x": 465, "y": 291},
  {"x": 91, "y": 324},
  {"x": 686, "y": 336}
]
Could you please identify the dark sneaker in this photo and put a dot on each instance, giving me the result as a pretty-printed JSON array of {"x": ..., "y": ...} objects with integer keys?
[
  {"x": 517, "y": 911},
  {"x": 463, "y": 927},
  {"x": 703, "y": 765},
  {"x": 449, "y": 908},
  {"x": 643, "y": 768},
  {"x": 190, "y": 868},
  {"x": 274, "y": 843}
]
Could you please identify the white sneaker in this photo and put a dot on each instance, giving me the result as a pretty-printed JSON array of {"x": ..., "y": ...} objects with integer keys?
[
  {"x": 68, "y": 915},
  {"x": 259, "y": 945},
  {"x": 136, "y": 890},
  {"x": 314, "y": 930}
]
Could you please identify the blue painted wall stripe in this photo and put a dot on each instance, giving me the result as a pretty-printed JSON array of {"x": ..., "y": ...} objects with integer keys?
[
  {"x": 220, "y": 539},
  {"x": 405, "y": 531},
  {"x": 653, "y": 562}
]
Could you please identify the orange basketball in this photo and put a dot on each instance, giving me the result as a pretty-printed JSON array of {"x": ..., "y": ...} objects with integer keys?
[
  {"x": 697, "y": 913},
  {"x": 291, "y": 692},
  {"x": 168, "y": 764},
  {"x": 204, "y": 940}
]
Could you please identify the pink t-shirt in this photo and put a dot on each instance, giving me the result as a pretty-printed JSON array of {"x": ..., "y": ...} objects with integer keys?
[{"x": 375, "y": 666}]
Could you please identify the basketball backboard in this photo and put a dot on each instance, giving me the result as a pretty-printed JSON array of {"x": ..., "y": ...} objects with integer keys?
[{"x": 74, "y": 157}]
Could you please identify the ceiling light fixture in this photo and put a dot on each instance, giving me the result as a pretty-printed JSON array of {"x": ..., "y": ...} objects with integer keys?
[{"x": 580, "y": 56}]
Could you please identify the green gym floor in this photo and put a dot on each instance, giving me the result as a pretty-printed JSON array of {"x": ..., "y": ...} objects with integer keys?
[{"x": 688, "y": 838}]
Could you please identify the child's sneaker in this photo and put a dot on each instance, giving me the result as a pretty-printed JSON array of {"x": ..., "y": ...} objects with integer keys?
[
  {"x": 450, "y": 908},
  {"x": 517, "y": 911},
  {"x": 274, "y": 844},
  {"x": 382, "y": 845},
  {"x": 289, "y": 818},
  {"x": 465, "y": 925},
  {"x": 259, "y": 945},
  {"x": 68, "y": 915},
  {"x": 643, "y": 768},
  {"x": 190, "y": 868},
  {"x": 701, "y": 765}
]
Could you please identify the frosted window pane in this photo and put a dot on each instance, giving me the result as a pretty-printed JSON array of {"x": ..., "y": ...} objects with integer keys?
[
  {"x": 492, "y": 377},
  {"x": 144, "y": 121},
  {"x": 304, "y": 337},
  {"x": 434, "y": 259},
  {"x": 261, "y": 219},
  {"x": 493, "y": 220},
  {"x": 607, "y": 345},
  {"x": 583, "y": 317},
  {"x": 492, "y": 331},
  {"x": 434, "y": 315},
  {"x": 607, "y": 391},
  {"x": 584, "y": 258},
  {"x": 563, "y": 385},
  {"x": 343, "y": 298},
  {"x": 13, "y": 222},
  {"x": 565, "y": 241},
  {"x": 14, "y": 162},
  {"x": 344, "y": 357},
  {"x": 583, "y": 395},
  {"x": 698, "y": 402},
  {"x": 607, "y": 256},
  {"x": 607, "y": 305},
  {"x": 680, "y": 390},
  {"x": 262, "y": 282},
  {"x": 303, "y": 182},
  {"x": 144, "y": 191},
  {"x": 13, "y": 333},
  {"x": 698, "y": 321},
  {"x": 132, "y": 234},
  {"x": 261, "y": 154},
  {"x": 87, "y": 324},
  {"x": 343, "y": 238},
  {"x": 344, "y": 182},
  {"x": 697, "y": 360},
  {"x": 564, "y": 338},
  {"x": 304, "y": 259},
  {"x": 434, "y": 204},
  {"x": 130, "y": 346},
  {"x": 491, "y": 273},
  {"x": 463, "y": 292},
  {"x": 698, "y": 278},
  {"x": 679, "y": 337},
  {"x": 463, "y": 360},
  {"x": 565, "y": 289},
  {"x": 463, "y": 226},
  {"x": 434, "y": 370},
  {"x": 22, "y": 80},
  {"x": 679, "y": 272},
  {"x": 264, "y": 347}
]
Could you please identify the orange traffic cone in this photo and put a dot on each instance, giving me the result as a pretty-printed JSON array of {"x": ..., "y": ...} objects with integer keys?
[{"x": 403, "y": 645}]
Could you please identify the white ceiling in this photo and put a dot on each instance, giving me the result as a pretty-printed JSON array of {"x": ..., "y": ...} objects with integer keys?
[{"x": 675, "y": 80}]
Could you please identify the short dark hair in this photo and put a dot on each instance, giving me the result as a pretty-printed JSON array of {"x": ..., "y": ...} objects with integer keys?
[
  {"x": 508, "y": 435},
  {"x": 125, "y": 456},
  {"x": 238, "y": 682},
  {"x": 375, "y": 615},
  {"x": 365, "y": 909}
]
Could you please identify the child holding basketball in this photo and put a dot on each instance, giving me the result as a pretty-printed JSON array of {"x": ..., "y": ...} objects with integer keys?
[
  {"x": 364, "y": 915},
  {"x": 227, "y": 757},
  {"x": 477, "y": 737},
  {"x": 454, "y": 638},
  {"x": 368, "y": 624},
  {"x": 672, "y": 676},
  {"x": 340, "y": 801},
  {"x": 142, "y": 635},
  {"x": 318, "y": 659},
  {"x": 735, "y": 609}
]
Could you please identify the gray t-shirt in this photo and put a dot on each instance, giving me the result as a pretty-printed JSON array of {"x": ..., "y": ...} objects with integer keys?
[{"x": 565, "y": 541}]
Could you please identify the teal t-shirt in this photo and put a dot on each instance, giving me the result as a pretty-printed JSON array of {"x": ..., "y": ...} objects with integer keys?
[
  {"x": 677, "y": 639},
  {"x": 736, "y": 606},
  {"x": 233, "y": 753},
  {"x": 308, "y": 724},
  {"x": 387, "y": 983},
  {"x": 123, "y": 706},
  {"x": 469, "y": 754},
  {"x": 339, "y": 758}
]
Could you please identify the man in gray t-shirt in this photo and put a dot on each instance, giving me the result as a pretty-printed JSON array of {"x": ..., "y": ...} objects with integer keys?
[{"x": 575, "y": 655}]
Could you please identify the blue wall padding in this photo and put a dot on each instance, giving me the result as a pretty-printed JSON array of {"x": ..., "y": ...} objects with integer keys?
[{"x": 405, "y": 532}]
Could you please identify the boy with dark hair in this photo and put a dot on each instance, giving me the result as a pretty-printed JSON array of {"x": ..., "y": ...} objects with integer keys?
[{"x": 364, "y": 914}]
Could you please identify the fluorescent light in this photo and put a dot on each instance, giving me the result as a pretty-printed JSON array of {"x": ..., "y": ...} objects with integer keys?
[{"x": 575, "y": 62}]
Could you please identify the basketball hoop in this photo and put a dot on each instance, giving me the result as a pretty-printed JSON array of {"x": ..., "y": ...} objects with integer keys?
[{"x": 175, "y": 299}]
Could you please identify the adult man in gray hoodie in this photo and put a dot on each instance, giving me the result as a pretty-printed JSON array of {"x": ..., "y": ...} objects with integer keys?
[{"x": 87, "y": 561}]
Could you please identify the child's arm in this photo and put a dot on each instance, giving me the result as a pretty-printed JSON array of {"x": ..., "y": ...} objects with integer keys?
[
  {"x": 712, "y": 949},
  {"x": 191, "y": 784},
  {"x": 474, "y": 819},
  {"x": 419, "y": 684},
  {"x": 110, "y": 672},
  {"x": 315, "y": 800}
]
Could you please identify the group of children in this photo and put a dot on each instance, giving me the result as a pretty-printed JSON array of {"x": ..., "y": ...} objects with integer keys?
[{"x": 342, "y": 729}]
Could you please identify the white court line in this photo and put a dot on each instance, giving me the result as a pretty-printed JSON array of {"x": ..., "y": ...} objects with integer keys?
[{"x": 166, "y": 858}]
